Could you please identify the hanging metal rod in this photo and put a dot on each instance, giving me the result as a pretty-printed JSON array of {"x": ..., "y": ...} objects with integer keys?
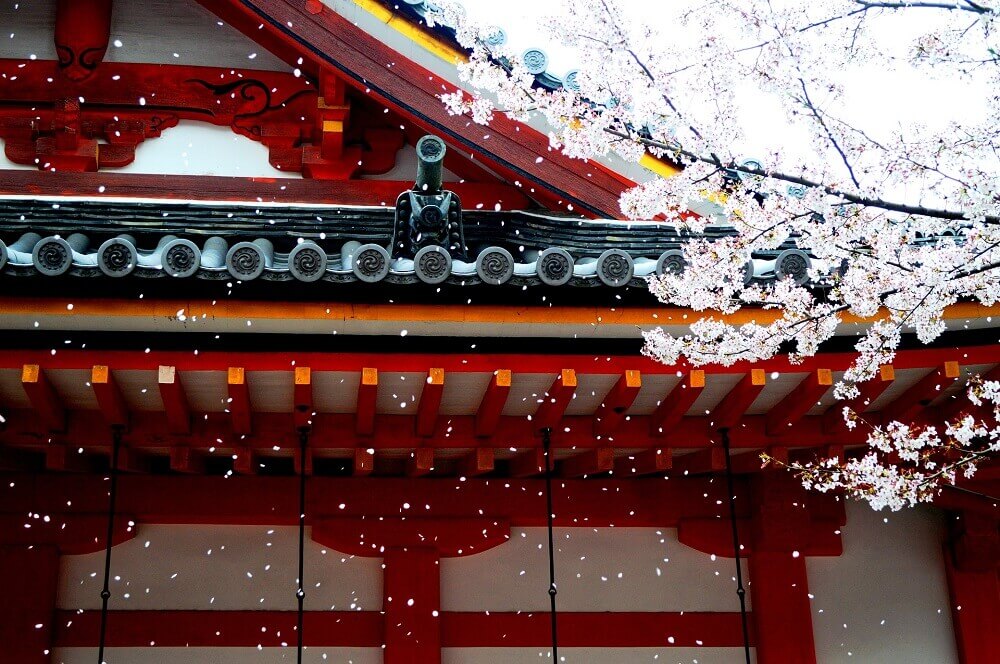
[
  {"x": 300, "y": 593},
  {"x": 116, "y": 438},
  {"x": 740, "y": 590},
  {"x": 549, "y": 463}
]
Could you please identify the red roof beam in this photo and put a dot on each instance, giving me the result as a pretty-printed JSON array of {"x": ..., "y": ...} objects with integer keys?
[
  {"x": 868, "y": 392},
  {"x": 109, "y": 396},
  {"x": 183, "y": 459},
  {"x": 367, "y": 397},
  {"x": 430, "y": 403},
  {"x": 734, "y": 405},
  {"x": 909, "y": 404},
  {"x": 751, "y": 462},
  {"x": 238, "y": 403},
  {"x": 302, "y": 406},
  {"x": 799, "y": 401},
  {"x": 553, "y": 404},
  {"x": 175, "y": 402},
  {"x": 654, "y": 461},
  {"x": 592, "y": 462},
  {"x": 492, "y": 405},
  {"x": 678, "y": 401},
  {"x": 611, "y": 413},
  {"x": 43, "y": 398}
]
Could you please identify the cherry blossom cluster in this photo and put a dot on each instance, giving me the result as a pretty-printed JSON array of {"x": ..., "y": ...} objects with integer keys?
[{"x": 900, "y": 218}]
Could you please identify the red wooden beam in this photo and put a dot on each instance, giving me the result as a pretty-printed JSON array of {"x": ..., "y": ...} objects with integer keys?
[
  {"x": 239, "y": 400},
  {"x": 478, "y": 462},
  {"x": 654, "y": 461},
  {"x": 243, "y": 460},
  {"x": 303, "y": 398},
  {"x": 175, "y": 403},
  {"x": 365, "y": 629},
  {"x": 710, "y": 460},
  {"x": 678, "y": 402},
  {"x": 909, "y": 404},
  {"x": 592, "y": 462},
  {"x": 62, "y": 458},
  {"x": 109, "y": 396},
  {"x": 492, "y": 405},
  {"x": 367, "y": 396},
  {"x": 421, "y": 462},
  {"x": 868, "y": 392},
  {"x": 527, "y": 464},
  {"x": 555, "y": 401},
  {"x": 364, "y": 462},
  {"x": 611, "y": 412},
  {"x": 799, "y": 401},
  {"x": 430, "y": 403},
  {"x": 735, "y": 404},
  {"x": 43, "y": 397}
]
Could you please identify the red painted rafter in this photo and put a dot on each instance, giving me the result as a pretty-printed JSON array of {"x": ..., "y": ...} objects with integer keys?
[
  {"x": 869, "y": 391},
  {"x": 430, "y": 403},
  {"x": 109, "y": 396},
  {"x": 611, "y": 413},
  {"x": 492, "y": 405},
  {"x": 678, "y": 402},
  {"x": 909, "y": 404},
  {"x": 238, "y": 403},
  {"x": 367, "y": 396},
  {"x": 175, "y": 403},
  {"x": 732, "y": 407},
  {"x": 555, "y": 400},
  {"x": 800, "y": 400},
  {"x": 43, "y": 397}
]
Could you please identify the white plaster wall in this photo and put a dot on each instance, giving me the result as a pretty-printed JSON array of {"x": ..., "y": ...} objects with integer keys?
[
  {"x": 223, "y": 568},
  {"x": 885, "y": 599},
  {"x": 598, "y": 569}
]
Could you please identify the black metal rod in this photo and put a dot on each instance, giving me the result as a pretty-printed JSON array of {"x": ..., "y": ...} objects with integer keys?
[
  {"x": 740, "y": 590},
  {"x": 116, "y": 438},
  {"x": 546, "y": 442},
  {"x": 300, "y": 593}
]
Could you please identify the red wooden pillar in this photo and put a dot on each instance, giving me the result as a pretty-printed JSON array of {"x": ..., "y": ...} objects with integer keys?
[
  {"x": 780, "y": 593},
  {"x": 28, "y": 576},
  {"x": 412, "y": 605},
  {"x": 779, "y": 587},
  {"x": 971, "y": 562}
]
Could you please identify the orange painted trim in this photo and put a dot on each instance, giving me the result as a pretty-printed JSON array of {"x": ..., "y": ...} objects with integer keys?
[{"x": 460, "y": 313}]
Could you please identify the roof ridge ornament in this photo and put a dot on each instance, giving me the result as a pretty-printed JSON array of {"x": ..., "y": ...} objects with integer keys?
[{"x": 428, "y": 215}]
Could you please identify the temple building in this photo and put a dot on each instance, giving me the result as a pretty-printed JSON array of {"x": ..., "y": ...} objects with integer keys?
[{"x": 291, "y": 355}]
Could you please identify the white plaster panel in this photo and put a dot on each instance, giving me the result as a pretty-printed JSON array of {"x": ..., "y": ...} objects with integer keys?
[
  {"x": 593, "y": 655},
  {"x": 590, "y": 392},
  {"x": 886, "y": 598},
  {"x": 198, "y": 148},
  {"x": 271, "y": 391},
  {"x": 335, "y": 391},
  {"x": 219, "y": 655},
  {"x": 11, "y": 392},
  {"x": 399, "y": 392},
  {"x": 235, "y": 568},
  {"x": 599, "y": 569}
]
